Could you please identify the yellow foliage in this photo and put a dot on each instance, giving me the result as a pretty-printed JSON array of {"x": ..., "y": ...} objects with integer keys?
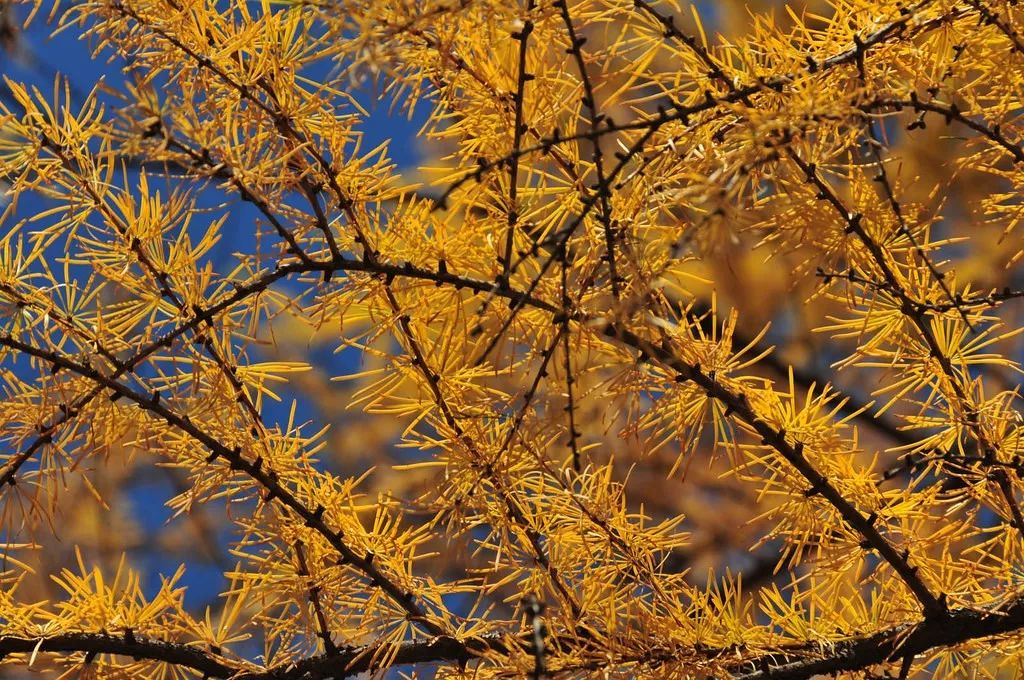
[{"x": 691, "y": 350}]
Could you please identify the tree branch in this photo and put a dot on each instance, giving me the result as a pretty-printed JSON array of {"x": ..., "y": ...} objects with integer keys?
[{"x": 889, "y": 645}]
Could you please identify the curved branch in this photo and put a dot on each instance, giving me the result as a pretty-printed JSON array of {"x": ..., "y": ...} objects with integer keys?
[
  {"x": 345, "y": 662},
  {"x": 898, "y": 642},
  {"x": 266, "y": 478},
  {"x": 174, "y": 653},
  {"x": 951, "y": 112},
  {"x": 738, "y": 405},
  {"x": 796, "y": 662}
]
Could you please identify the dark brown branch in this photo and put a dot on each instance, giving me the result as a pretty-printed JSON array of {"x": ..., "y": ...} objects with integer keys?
[
  {"x": 597, "y": 157},
  {"x": 175, "y": 653},
  {"x": 570, "y": 378},
  {"x": 990, "y": 16},
  {"x": 989, "y": 300},
  {"x": 523, "y": 36},
  {"x": 890, "y": 645},
  {"x": 343, "y": 663},
  {"x": 934, "y": 607},
  {"x": 910, "y": 308},
  {"x": 242, "y": 292},
  {"x": 794, "y": 662},
  {"x": 323, "y": 629},
  {"x": 710, "y": 102},
  {"x": 266, "y": 478},
  {"x": 563, "y": 239},
  {"x": 950, "y": 112}
]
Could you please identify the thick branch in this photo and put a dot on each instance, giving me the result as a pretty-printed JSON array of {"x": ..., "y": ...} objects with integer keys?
[
  {"x": 898, "y": 642},
  {"x": 344, "y": 663},
  {"x": 174, "y": 653},
  {"x": 792, "y": 663}
]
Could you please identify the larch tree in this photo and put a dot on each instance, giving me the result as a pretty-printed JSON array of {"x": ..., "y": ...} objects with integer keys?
[{"x": 689, "y": 350}]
